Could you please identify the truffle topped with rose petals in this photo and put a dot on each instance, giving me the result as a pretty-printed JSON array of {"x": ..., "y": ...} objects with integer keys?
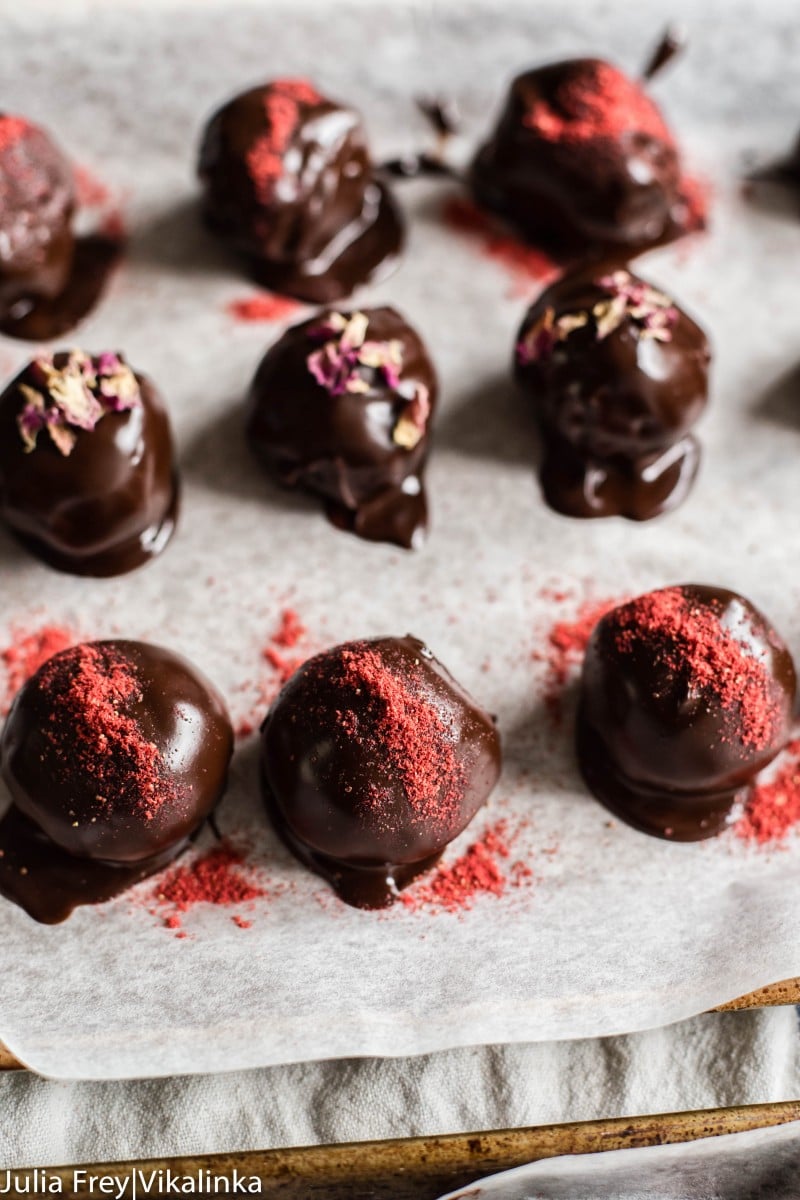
[
  {"x": 87, "y": 477},
  {"x": 616, "y": 375},
  {"x": 341, "y": 406}
]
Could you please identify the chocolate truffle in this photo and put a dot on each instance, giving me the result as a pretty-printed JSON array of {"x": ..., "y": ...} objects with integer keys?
[
  {"x": 617, "y": 375},
  {"x": 114, "y": 753},
  {"x": 372, "y": 760},
  {"x": 289, "y": 184},
  {"x": 687, "y": 693},
  {"x": 87, "y": 480},
  {"x": 581, "y": 159},
  {"x": 341, "y": 405},
  {"x": 37, "y": 199}
]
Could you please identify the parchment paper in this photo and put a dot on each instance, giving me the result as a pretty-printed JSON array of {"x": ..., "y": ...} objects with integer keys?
[
  {"x": 616, "y": 932},
  {"x": 739, "y": 1166}
]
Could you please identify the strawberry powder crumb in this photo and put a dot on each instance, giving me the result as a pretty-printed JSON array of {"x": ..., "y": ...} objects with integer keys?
[
  {"x": 400, "y": 722},
  {"x": 696, "y": 194},
  {"x": 264, "y": 307},
  {"x": 483, "y": 870},
  {"x": 91, "y": 192},
  {"x": 291, "y": 629},
  {"x": 12, "y": 129},
  {"x": 289, "y": 634},
  {"x": 566, "y": 645},
  {"x": 112, "y": 226},
  {"x": 218, "y": 877},
  {"x": 772, "y": 808},
  {"x": 28, "y": 651},
  {"x": 690, "y": 638},
  {"x": 524, "y": 263},
  {"x": 600, "y": 103},
  {"x": 283, "y": 665}
]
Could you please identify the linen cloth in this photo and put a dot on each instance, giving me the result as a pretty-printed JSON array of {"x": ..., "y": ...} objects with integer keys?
[{"x": 710, "y": 1061}]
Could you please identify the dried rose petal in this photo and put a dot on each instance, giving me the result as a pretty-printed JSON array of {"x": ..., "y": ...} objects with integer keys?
[
  {"x": 541, "y": 339},
  {"x": 652, "y": 312},
  {"x": 412, "y": 422},
  {"x": 74, "y": 396},
  {"x": 337, "y": 365}
]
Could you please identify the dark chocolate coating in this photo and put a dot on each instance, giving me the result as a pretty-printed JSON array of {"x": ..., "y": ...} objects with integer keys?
[
  {"x": 654, "y": 745},
  {"x": 36, "y": 206},
  {"x": 341, "y": 447},
  {"x": 618, "y": 190},
  {"x": 76, "y": 849},
  {"x": 317, "y": 777},
  {"x": 614, "y": 412},
  {"x": 104, "y": 509},
  {"x": 328, "y": 225}
]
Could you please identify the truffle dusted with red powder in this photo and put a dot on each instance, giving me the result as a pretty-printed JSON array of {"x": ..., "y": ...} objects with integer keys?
[
  {"x": 87, "y": 477},
  {"x": 114, "y": 754},
  {"x": 341, "y": 406},
  {"x": 373, "y": 759},
  {"x": 37, "y": 200},
  {"x": 616, "y": 375},
  {"x": 581, "y": 159},
  {"x": 687, "y": 693},
  {"x": 289, "y": 184}
]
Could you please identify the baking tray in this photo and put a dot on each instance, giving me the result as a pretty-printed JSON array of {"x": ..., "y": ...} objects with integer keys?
[{"x": 427, "y": 1168}]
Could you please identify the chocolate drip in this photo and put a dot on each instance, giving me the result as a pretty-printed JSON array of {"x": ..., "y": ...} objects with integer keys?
[
  {"x": 50, "y": 884},
  {"x": 44, "y": 318},
  {"x": 360, "y": 886}
]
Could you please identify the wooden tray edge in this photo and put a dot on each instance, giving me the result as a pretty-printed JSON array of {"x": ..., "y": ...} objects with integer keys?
[{"x": 425, "y": 1168}]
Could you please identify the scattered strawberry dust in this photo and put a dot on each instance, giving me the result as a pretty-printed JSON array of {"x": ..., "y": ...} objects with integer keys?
[
  {"x": 524, "y": 263},
  {"x": 90, "y": 688},
  {"x": 392, "y": 716},
  {"x": 599, "y": 102},
  {"x": 92, "y": 193},
  {"x": 772, "y": 808},
  {"x": 11, "y": 130},
  {"x": 280, "y": 667},
  {"x": 688, "y": 637},
  {"x": 566, "y": 645},
  {"x": 28, "y": 651},
  {"x": 217, "y": 877},
  {"x": 263, "y": 307},
  {"x": 484, "y": 869},
  {"x": 696, "y": 194},
  {"x": 282, "y": 101}
]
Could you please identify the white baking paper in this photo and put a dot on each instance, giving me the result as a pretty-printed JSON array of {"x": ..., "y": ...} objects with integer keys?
[
  {"x": 738, "y": 1166},
  {"x": 616, "y": 931}
]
